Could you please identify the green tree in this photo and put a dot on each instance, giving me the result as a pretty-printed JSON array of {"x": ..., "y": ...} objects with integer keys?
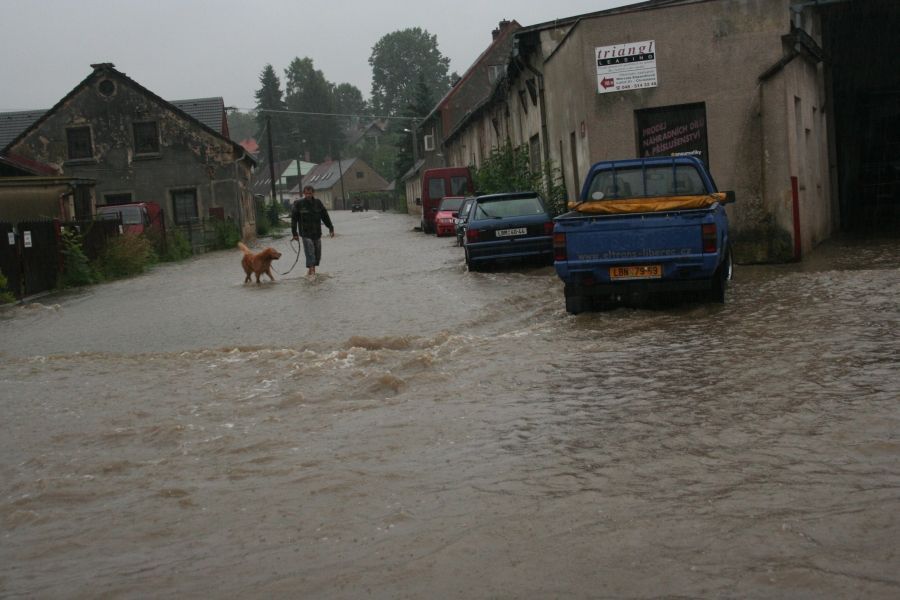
[
  {"x": 270, "y": 97},
  {"x": 348, "y": 100},
  {"x": 398, "y": 60},
  {"x": 421, "y": 105},
  {"x": 242, "y": 125},
  {"x": 508, "y": 169},
  {"x": 307, "y": 91}
]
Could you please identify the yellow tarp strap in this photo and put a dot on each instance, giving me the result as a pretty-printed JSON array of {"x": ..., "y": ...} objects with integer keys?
[{"x": 641, "y": 205}]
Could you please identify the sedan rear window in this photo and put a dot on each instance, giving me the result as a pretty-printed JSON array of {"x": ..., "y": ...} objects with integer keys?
[
  {"x": 509, "y": 207},
  {"x": 451, "y": 203}
]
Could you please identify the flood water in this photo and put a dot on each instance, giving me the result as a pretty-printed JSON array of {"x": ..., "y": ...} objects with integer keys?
[{"x": 400, "y": 427}]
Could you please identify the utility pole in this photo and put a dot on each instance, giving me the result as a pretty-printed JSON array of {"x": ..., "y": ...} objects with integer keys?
[
  {"x": 415, "y": 142},
  {"x": 271, "y": 156},
  {"x": 341, "y": 175}
]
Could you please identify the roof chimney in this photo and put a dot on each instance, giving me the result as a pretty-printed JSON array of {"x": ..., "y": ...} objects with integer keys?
[{"x": 503, "y": 24}]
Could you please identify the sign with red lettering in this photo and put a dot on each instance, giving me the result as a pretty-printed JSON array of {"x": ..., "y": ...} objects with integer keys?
[
  {"x": 673, "y": 131},
  {"x": 628, "y": 66}
]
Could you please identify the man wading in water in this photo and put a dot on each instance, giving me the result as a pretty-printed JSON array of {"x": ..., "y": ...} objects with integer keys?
[{"x": 307, "y": 215}]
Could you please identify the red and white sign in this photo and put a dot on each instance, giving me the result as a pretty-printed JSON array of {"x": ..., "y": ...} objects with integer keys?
[{"x": 630, "y": 66}]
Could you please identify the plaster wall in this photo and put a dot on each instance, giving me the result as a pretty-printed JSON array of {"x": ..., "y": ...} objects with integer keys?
[{"x": 189, "y": 157}]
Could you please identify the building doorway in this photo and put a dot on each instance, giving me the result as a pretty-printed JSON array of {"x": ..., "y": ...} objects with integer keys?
[{"x": 860, "y": 41}]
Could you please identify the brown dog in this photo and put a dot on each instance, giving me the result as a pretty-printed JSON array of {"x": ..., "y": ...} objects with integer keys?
[{"x": 258, "y": 263}]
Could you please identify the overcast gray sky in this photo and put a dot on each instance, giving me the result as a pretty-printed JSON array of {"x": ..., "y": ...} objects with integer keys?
[{"x": 182, "y": 49}]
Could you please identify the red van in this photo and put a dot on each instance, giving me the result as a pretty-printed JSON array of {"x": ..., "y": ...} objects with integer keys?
[
  {"x": 136, "y": 218},
  {"x": 437, "y": 183}
]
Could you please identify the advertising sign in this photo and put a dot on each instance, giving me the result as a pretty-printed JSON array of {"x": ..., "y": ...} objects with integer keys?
[
  {"x": 628, "y": 66},
  {"x": 673, "y": 131}
]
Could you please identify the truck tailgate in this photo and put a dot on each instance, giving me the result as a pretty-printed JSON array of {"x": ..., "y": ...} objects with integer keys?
[{"x": 664, "y": 247}]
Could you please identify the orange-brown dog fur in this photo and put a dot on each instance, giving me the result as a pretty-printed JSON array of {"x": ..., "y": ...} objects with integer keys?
[{"x": 259, "y": 262}]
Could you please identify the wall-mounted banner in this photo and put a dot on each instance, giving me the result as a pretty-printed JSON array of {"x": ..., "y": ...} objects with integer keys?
[
  {"x": 628, "y": 66},
  {"x": 673, "y": 131}
]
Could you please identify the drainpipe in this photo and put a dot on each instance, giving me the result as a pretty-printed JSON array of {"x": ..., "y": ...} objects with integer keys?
[{"x": 795, "y": 214}]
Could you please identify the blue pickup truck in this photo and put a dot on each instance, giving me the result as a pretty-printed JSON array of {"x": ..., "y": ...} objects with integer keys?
[{"x": 644, "y": 226}]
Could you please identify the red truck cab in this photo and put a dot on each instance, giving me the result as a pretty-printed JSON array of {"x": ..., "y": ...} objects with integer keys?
[
  {"x": 138, "y": 217},
  {"x": 440, "y": 182}
]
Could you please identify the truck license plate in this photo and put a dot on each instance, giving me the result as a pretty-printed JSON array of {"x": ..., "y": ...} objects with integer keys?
[
  {"x": 509, "y": 232},
  {"x": 636, "y": 272}
]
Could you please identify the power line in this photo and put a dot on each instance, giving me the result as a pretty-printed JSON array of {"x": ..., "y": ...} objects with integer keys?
[{"x": 319, "y": 114}]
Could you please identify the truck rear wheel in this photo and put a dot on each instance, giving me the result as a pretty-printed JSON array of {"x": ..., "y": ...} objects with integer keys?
[
  {"x": 575, "y": 302},
  {"x": 721, "y": 279}
]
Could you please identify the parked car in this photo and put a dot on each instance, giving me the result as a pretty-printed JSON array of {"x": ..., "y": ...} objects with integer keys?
[
  {"x": 356, "y": 207},
  {"x": 138, "y": 217},
  {"x": 438, "y": 183},
  {"x": 653, "y": 225},
  {"x": 508, "y": 226},
  {"x": 445, "y": 218},
  {"x": 462, "y": 218}
]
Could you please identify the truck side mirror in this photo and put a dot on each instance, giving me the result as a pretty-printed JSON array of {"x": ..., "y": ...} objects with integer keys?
[{"x": 729, "y": 197}]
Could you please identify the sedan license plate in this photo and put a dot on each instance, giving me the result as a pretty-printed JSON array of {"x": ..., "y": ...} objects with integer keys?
[
  {"x": 511, "y": 232},
  {"x": 636, "y": 272}
]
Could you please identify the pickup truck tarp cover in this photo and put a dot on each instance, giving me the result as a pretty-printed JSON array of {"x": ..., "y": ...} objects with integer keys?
[{"x": 643, "y": 205}]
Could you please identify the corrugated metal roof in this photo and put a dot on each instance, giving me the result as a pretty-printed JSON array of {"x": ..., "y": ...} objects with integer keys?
[{"x": 14, "y": 123}]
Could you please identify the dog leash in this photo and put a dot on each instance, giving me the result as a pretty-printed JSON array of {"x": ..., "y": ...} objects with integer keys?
[{"x": 296, "y": 259}]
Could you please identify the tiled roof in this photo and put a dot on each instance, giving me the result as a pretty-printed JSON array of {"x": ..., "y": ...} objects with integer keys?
[
  {"x": 14, "y": 123},
  {"x": 209, "y": 111},
  {"x": 323, "y": 176}
]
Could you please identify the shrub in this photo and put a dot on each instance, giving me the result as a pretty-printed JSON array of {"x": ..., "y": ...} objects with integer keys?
[
  {"x": 126, "y": 255},
  {"x": 225, "y": 235},
  {"x": 508, "y": 169},
  {"x": 4, "y": 295},
  {"x": 177, "y": 247},
  {"x": 77, "y": 268}
]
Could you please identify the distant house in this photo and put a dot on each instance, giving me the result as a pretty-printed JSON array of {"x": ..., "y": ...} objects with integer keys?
[
  {"x": 335, "y": 182},
  {"x": 412, "y": 183},
  {"x": 285, "y": 180},
  {"x": 14, "y": 123},
  {"x": 140, "y": 148},
  {"x": 360, "y": 134},
  {"x": 251, "y": 146}
]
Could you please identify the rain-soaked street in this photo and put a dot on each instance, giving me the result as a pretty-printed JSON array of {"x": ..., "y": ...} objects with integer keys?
[{"x": 400, "y": 427}]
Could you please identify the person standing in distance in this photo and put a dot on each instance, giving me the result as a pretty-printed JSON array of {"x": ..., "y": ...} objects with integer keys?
[{"x": 307, "y": 215}]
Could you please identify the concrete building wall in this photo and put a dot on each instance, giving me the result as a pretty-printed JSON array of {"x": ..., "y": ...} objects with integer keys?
[
  {"x": 710, "y": 54},
  {"x": 759, "y": 133}
]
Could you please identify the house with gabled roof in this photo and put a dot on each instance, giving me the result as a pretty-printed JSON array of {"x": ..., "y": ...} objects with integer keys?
[
  {"x": 285, "y": 178},
  {"x": 472, "y": 89},
  {"x": 139, "y": 147},
  {"x": 336, "y": 181}
]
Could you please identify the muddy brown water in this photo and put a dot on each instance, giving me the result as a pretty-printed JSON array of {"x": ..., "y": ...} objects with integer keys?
[{"x": 400, "y": 427}]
